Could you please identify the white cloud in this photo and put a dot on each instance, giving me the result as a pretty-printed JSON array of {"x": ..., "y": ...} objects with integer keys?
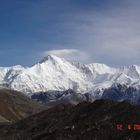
[
  {"x": 109, "y": 35},
  {"x": 69, "y": 54}
]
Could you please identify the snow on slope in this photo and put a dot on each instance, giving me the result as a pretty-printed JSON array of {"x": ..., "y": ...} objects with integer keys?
[{"x": 54, "y": 73}]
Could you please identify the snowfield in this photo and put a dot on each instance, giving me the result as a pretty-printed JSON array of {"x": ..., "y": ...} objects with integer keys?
[{"x": 54, "y": 73}]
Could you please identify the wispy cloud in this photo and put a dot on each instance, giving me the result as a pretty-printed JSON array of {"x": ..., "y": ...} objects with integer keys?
[
  {"x": 110, "y": 35},
  {"x": 106, "y": 31},
  {"x": 68, "y": 54}
]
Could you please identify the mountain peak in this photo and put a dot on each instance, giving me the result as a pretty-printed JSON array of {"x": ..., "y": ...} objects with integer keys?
[{"x": 49, "y": 57}]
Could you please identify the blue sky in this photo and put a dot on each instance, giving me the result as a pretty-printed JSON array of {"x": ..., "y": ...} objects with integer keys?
[{"x": 104, "y": 31}]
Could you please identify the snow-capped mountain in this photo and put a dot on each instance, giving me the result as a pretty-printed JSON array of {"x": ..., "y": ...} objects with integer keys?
[{"x": 57, "y": 74}]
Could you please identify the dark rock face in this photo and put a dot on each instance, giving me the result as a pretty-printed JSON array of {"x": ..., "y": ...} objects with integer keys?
[
  {"x": 122, "y": 93},
  {"x": 52, "y": 98},
  {"x": 116, "y": 92},
  {"x": 86, "y": 121}
]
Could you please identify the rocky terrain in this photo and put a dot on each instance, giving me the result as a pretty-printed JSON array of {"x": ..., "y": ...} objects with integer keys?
[
  {"x": 86, "y": 121},
  {"x": 53, "y": 98},
  {"x": 15, "y": 106}
]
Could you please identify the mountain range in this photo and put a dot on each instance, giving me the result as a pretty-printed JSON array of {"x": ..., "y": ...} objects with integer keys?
[{"x": 56, "y": 75}]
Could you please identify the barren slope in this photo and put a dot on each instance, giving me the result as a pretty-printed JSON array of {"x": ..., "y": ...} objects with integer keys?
[{"x": 15, "y": 106}]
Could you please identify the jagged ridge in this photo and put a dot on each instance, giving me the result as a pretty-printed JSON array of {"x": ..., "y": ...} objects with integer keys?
[{"x": 57, "y": 74}]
